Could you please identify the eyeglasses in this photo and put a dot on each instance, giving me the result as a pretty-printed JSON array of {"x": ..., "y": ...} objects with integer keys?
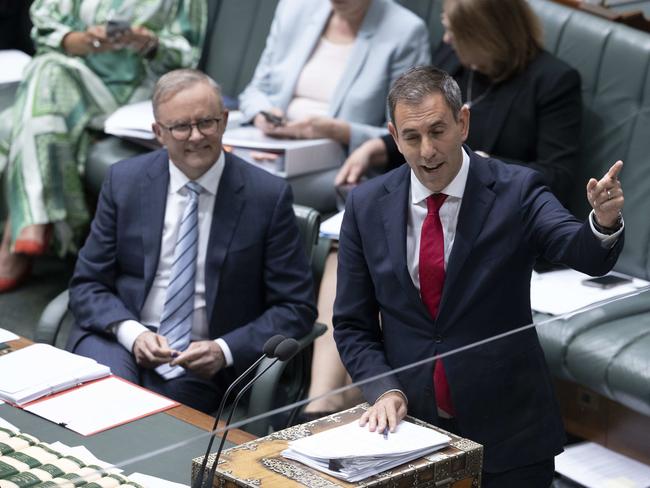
[{"x": 182, "y": 132}]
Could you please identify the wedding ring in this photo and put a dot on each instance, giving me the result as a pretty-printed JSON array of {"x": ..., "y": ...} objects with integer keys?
[
  {"x": 609, "y": 195},
  {"x": 96, "y": 44}
]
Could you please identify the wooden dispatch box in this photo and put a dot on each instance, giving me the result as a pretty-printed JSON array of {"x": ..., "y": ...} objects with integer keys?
[{"x": 259, "y": 463}]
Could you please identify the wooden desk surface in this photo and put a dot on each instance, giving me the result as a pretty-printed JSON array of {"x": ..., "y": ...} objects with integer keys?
[{"x": 182, "y": 412}]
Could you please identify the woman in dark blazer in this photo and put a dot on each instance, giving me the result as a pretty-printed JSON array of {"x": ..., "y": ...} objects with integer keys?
[
  {"x": 525, "y": 103},
  {"x": 525, "y": 108}
]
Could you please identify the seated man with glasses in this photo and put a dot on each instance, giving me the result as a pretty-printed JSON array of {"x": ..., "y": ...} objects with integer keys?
[{"x": 194, "y": 258}]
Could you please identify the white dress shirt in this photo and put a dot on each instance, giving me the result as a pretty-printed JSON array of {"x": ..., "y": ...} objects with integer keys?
[
  {"x": 177, "y": 199},
  {"x": 449, "y": 218}
]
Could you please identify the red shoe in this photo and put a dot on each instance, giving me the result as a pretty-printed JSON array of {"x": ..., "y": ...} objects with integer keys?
[
  {"x": 32, "y": 247},
  {"x": 8, "y": 284}
]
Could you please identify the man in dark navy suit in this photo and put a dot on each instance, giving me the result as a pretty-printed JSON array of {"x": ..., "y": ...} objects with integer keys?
[
  {"x": 438, "y": 255},
  {"x": 194, "y": 258}
]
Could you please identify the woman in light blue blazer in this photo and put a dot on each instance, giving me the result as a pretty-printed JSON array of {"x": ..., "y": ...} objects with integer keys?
[{"x": 369, "y": 44}]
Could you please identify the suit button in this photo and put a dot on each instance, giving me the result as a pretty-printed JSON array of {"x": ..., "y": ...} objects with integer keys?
[{"x": 438, "y": 339}]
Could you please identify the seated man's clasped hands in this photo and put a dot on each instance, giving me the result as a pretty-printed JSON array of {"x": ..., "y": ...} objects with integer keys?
[{"x": 194, "y": 258}]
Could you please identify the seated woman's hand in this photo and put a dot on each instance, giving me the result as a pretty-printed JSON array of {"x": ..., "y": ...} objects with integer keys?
[
  {"x": 139, "y": 39},
  {"x": 262, "y": 122},
  {"x": 313, "y": 128},
  {"x": 83, "y": 43}
]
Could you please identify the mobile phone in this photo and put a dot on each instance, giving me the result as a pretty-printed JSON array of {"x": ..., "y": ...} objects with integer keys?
[
  {"x": 117, "y": 28},
  {"x": 607, "y": 281},
  {"x": 272, "y": 118}
]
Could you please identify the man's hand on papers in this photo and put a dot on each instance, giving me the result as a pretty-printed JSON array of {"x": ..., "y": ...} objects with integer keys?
[
  {"x": 151, "y": 350},
  {"x": 387, "y": 411},
  {"x": 204, "y": 358},
  {"x": 606, "y": 197}
]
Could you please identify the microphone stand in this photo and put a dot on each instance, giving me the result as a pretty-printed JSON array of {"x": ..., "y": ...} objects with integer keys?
[
  {"x": 285, "y": 351},
  {"x": 269, "y": 348}
]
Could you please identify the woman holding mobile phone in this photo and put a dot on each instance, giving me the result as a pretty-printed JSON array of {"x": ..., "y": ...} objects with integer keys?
[{"x": 92, "y": 57}]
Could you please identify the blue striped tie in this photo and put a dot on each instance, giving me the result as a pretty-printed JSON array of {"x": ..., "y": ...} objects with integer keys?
[{"x": 176, "y": 318}]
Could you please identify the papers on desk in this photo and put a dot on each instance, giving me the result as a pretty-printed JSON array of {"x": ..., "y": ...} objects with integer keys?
[
  {"x": 286, "y": 157},
  {"x": 134, "y": 121},
  {"x": 594, "y": 466},
  {"x": 13, "y": 63},
  {"x": 100, "y": 405},
  {"x": 331, "y": 228},
  {"x": 560, "y": 292},
  {"x": 7, "y": 335},
  {"x": 352, "y": 453},
  {"x": 40, "y": 369}
]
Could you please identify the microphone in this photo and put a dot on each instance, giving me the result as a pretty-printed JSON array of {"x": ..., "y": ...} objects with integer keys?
[
  {"x": 283, "y": 352},
  {"x": 268, "y": 351}
]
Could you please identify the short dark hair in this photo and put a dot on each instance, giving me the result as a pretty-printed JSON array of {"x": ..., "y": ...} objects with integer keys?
[
  {"x": 421, "y": 81},
  {"x": 177, "y": 80}
]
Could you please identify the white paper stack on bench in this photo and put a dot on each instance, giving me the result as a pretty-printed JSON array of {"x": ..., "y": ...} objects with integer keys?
[
  {"x": 133, "y": 121},
  {"x": 352, "y": 453},
  {"x": 40, "y": 369}
]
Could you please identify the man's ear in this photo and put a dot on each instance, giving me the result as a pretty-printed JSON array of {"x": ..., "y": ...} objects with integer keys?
[
  {"x": 157, "y": 131},
  {"x": 393, "y": 132},
  {"x": 463, "y": 119}
]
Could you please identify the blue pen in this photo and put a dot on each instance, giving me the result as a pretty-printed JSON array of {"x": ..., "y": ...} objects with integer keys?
[{"x": 385, "y": 433}]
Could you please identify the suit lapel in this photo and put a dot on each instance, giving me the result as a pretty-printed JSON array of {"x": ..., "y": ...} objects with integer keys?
[
  {"x": 227, "y": 209},
  {"x": 153, "y": 198},
  {"x": 357, "y": 56},
  {"x": 478, "y": 199},
  {"x": 394, "y": 212}
]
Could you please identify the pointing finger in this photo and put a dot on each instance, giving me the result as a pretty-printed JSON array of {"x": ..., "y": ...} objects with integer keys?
[{"x": 615, "y": 170}]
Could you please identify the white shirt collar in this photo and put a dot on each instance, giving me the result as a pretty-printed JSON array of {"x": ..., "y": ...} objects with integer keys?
[
  {"x": 456, "y": 188},
  {"x": 209, "y": 181}
]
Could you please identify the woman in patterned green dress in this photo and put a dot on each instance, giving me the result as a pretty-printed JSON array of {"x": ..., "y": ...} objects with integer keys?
[{"x": 82, "y": 72}]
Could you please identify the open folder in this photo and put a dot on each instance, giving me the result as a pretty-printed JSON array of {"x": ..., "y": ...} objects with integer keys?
[
  {"x": 40, "y": 369},
  {"x": 352, "y": 453}
]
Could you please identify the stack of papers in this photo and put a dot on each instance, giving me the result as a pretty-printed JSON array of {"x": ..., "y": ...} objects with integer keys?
[
  {"x": 40, "y": 369},
  {"x": 352, "y": 453},
  {"x": 563, "y": 291},
  {"x": 134, "y": 121}
]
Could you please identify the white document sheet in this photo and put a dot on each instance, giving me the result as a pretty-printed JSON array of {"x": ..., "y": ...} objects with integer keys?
[
  {"x": 133, "y": 120},
  {"x": 560, "y": 292},
  {"x": 41, "y": 369},
  {"x": 332, "y": 227},
  {"x": 100, "y": 405},
  {"x": 595, "y": 466},
  {"x": 13, "y": 63},
  {"x": 153, "y": 482},
  {"x": 7, "y": 335}
]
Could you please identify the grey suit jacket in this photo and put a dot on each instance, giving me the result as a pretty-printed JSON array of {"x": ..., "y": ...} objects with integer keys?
[{"x": 391, "y": 40}]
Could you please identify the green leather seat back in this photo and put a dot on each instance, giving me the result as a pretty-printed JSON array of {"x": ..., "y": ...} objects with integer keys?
[
  {"x": 429, "y": 12},
  {"x": 236, "y": 41},
  {"x": 614, "y": 62}
]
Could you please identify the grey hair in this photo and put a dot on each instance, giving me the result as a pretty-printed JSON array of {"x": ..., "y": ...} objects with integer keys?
[
  {"x": 419, "y": 82},
  {"x": 178, "y": 80}
]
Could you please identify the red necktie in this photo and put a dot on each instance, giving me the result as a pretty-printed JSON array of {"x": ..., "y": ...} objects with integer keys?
[{"x": 432, "y": 279}]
